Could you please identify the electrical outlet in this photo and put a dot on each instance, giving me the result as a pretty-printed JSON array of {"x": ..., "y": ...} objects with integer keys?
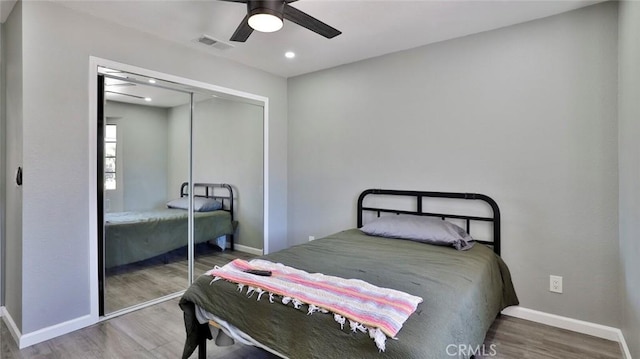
[
  {"x": 555, "y": 284},
  {"x": 311, "y": 238}
]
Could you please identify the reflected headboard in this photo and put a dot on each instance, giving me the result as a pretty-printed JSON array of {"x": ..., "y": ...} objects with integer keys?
[
  {"x": 208, "y": 190},
  {"x": 419, "y": 196}
]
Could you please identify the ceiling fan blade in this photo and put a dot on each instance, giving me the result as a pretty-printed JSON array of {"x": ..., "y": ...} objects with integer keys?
[
  {"x": 116, "y": 84},
  {"x": 309, "y": 22},
  {"x": 243, "y": 31}
]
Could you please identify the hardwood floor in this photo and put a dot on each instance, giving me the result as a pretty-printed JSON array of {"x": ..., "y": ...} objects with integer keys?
[
  {"x": 158, "y": 331},
  {"x": 153, "y": 332},
  {"x": 144, "y": 281},
  {"x": 518, "y": 338}
]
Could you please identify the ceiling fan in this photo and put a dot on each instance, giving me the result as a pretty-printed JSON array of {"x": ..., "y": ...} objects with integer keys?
[{"x": 267, "y": 16}]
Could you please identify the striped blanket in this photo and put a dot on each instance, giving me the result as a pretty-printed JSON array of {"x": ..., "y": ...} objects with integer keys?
[{"x": 368, "y": 308}]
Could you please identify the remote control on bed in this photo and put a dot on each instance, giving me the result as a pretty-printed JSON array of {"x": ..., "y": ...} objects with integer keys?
[{"x": 264, "y": 273}]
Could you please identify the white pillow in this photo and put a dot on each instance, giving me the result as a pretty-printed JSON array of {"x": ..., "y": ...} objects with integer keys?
[
  {"x": 200, "y": 204},
  {"x": 422, "y": 229}
]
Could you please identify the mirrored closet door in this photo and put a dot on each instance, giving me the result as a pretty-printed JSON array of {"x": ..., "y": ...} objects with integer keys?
[
  {"x": 180, "y": 185},
  {"x": 144, "y": 251},
  {"x": 228, "y": 154}
]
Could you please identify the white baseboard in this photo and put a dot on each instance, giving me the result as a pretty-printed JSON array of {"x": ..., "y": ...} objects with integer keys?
[
  {"x": 13, "y": 328},
  {"x": 575, "y": 325},
  {"x": 57, "y": 330},
  {"x": 247, "y": 249},
  {"x": 29, "y": 339}
]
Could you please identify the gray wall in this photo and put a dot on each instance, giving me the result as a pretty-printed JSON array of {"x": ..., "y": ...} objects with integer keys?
[
  {"x": 3, "y": 130},
  {"x": 228, "y": 148},
  {"x": 629, "y": 165},
  {"x": 13, "y": 34},
  {"x": 143, "y": 146},
  {"x": 525, "y": 114},
  {"x": 56, "y": 201},
  {"x": 178, "y": 149}
]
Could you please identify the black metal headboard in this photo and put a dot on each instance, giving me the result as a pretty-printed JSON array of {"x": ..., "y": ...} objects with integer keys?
[
  {"x": 209, "y": 192},
  {"x": 419, "y": 195}
]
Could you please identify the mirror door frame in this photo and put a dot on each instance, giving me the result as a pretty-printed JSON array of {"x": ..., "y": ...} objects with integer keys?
[{"x": 94, "y": 63}]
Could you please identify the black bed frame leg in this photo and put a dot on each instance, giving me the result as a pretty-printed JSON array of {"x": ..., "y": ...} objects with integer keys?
[{"x": 202, "y": 347}]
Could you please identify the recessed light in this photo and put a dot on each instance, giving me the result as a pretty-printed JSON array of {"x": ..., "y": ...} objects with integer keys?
[
  {"x": 289, "y": 54},
  {"x": 148, "y": 99},
  {"x": 152, "y": 81}
]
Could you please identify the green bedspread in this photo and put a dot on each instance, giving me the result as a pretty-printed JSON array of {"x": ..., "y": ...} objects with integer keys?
[
  {"x": 463, "y": 292},
  {"x": 135, "y": 236}
]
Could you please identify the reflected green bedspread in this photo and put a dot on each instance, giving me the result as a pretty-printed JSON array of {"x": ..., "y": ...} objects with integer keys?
[
  {"x": 135, "y": 236},
  {"x": 463, "y": 292}
]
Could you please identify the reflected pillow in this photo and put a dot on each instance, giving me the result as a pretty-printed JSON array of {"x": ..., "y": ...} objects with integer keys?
[
  {"x": 200, "y": 204},
  {"x": 422, "y": 229}
]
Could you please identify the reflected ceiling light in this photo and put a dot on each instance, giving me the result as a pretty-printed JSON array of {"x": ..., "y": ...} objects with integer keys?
[
  {"x": 148, "y": 99},
  {"x": 289, "y": 54},
  {"x": 152, "y": 81}
]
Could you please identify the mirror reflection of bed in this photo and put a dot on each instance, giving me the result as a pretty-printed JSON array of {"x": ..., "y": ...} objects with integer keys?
[{"x": 146, "y": 162}]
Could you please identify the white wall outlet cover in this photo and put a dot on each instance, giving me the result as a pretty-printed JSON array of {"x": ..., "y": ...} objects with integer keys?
[{"x": 555, "y": 284}]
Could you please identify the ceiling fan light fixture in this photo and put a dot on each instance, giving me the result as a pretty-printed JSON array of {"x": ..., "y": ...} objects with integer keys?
[
  {"x": 264, "y": 22},
  {"x": 268, "y": 16}
]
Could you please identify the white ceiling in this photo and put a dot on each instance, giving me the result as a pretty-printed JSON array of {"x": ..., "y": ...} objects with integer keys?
[{"x": 370, "y": 28}]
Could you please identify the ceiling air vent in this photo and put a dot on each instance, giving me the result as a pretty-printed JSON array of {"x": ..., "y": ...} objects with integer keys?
[{"x": 215, "y": 43}]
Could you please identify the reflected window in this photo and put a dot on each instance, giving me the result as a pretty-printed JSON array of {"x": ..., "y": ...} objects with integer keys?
[{"x": 110, "y": 143}]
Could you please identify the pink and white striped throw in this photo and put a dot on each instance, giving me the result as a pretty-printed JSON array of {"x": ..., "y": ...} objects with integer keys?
[{"x": 380, "y": 311}]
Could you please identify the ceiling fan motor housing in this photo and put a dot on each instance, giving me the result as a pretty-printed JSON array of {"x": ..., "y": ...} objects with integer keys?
[{"x": 275, "y": 8}]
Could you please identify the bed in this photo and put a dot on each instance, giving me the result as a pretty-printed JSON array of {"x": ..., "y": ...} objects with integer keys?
[
  {"x": 135, "y": 236},
  {"x": 463, "y": 291}
]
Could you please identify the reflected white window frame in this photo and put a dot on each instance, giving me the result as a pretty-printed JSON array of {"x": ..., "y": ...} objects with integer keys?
[{"x": 110, "y": 129}]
